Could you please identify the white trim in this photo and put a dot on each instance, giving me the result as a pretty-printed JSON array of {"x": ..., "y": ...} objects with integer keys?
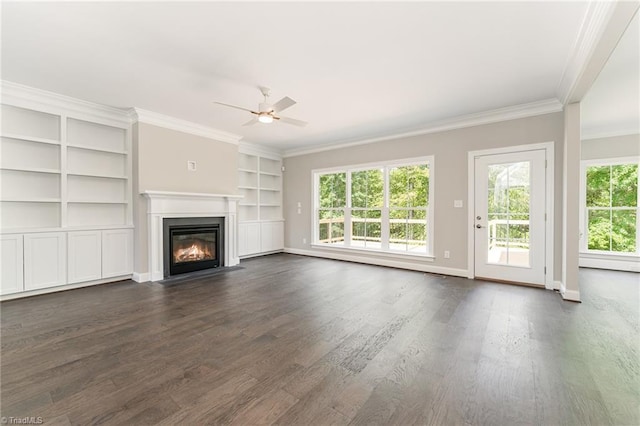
[
  {"x": 601, "y": 134},
  {"x": 532, "y": 109},
  {"x": 23, "y": 96},
  {"x": 141, "y": 277},
  {"x": 631, "y": 265},
  {"x": 165, "y": 204},
  {"x": 571, "y": 295},
  {"x": 263, "y": 253},
  {"x": 548, "y": 147},
  {"x": 595, "y": 21},
  {"x": 414, "y": 266},
  {"x": 557, "y": 285},
  {"x": 260, "y": 150},
  {"x": 375, "y": 252},
  {"x": 168, "y": 122},
  {"x": 111, "y": 280}
]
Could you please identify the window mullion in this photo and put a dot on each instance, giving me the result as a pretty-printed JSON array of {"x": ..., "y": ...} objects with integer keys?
[
  {"x": 384, "y": 214},
  {"x": 347, "y": 212}
]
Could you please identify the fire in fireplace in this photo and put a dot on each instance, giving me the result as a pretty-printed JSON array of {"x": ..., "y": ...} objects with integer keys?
[{"x": 192, "y": 244}]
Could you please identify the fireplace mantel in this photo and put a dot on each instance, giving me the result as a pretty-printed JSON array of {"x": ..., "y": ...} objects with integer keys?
[{"x": 164, "y": 204}]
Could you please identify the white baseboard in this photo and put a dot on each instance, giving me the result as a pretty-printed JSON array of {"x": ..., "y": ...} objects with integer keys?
[
  {"x": 613, "y": 264},
  {"x": 557, "y": 285},
  {"x": 249, "y": 256},
  {"x": 571, "y": 295},
  {"x": 140, "y": 277},
  {"x": 411, "y": 265},
  {"x": 62, "y": 288}
]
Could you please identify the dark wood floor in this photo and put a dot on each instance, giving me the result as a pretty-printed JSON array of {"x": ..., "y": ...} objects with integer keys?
[{"x": 296, "y": 340}]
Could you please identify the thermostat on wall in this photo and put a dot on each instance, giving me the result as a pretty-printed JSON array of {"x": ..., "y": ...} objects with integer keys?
[{"x": 191, "y": 166}]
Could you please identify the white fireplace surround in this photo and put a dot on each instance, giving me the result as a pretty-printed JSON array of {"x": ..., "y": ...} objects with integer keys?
[{"x": 162, "y": 204}]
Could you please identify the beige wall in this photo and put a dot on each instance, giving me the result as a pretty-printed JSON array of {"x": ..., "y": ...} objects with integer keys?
[
  {"x": 450, "y": 150},
  {"x": 612, "y": 147},
  {"x": 160, "y": 164}
]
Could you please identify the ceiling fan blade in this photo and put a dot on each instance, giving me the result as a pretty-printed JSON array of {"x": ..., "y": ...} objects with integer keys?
[
  {"x": 251, "y": 122},
  {"x": 293, "y": 121},
  {"x": 283, "y": 104},
  {"x": 236, "y": 107}
]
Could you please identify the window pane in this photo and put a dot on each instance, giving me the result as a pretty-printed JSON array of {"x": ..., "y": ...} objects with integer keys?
[
  {"x": 624, "y": 183},
  {"x": 598, "y": 181},
  {"x": 367, "y": 188},
  {"x": 409, "y": 186},
  {"x": 331, "y": 226},
  {"x": 366, "y": 228},
  {"x": 333, "y": 190},
  {"x": 599, "y": 230},
  {"x": 623, "y": 236}
]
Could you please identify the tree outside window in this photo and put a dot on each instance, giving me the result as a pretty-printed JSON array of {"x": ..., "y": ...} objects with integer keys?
[{"x": 612, "y": 207}]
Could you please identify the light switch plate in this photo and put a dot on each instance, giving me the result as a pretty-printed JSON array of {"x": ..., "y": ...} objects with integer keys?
[{"x": 191, "y": 166}]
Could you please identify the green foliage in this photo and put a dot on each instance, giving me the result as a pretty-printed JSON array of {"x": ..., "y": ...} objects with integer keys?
[
  {"x": 367, "y": 188},
  {"x": 409, "y": 186}
]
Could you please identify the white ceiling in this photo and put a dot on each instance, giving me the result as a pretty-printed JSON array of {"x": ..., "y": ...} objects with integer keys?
[
  {"x": 612, "y": 105},
  {"x": 358, "y": 70}
]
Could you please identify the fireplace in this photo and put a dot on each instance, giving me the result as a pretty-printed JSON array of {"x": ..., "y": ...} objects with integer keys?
[{"x": 192, "y": 244}]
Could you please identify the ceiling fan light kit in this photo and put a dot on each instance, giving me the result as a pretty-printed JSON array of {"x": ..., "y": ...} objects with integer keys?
[{"x": 267, "y": 112}]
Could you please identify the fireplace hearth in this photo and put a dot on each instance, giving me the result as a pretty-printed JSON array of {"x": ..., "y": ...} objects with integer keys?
[{"x": 192, "y": 244}]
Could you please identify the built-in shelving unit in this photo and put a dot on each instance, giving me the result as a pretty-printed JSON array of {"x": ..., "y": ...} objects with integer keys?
[
  {"x": 260, "y": 211},
  {"x": 63, "y": 171}
]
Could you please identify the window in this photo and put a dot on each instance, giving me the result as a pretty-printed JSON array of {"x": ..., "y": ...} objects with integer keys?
[
  {"x": 381, "y": 207},
  {"x": 610, "y": 207}
]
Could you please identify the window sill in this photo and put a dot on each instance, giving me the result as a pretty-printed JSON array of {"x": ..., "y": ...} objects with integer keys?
[
  {"x": 380, "y": 253},
  {"x": 631, "y": 257}
]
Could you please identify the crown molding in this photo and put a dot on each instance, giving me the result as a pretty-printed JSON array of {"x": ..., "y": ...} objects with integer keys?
[
  {"x": 601, "y": 29},
  {"x": 546, "y": 106},
  {"x": 23, "y": 96},
  {"x": 265, "y": 151},
  {"x": 149, "y": 117},
  {"x": 609, "y": 133}
]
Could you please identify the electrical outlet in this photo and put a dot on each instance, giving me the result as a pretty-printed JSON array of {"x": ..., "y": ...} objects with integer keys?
[
  {"x": 457, "y": 204},
  {"x": 447, "y": 254},
  {"x": 191, "y": 166},
  {"x": 304, "y": 241}
]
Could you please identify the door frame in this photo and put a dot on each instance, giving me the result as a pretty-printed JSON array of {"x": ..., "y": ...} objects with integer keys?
[{"x": 548, "y": 147}]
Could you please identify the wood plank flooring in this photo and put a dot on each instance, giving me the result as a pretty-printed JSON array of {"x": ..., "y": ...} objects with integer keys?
[{"x": 293, "y": 340}]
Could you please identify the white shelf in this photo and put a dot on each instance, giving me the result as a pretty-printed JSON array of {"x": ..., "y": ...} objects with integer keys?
[
  {"x": 30, "y": 138},
  {"x": 88, "y": 148},
  {"x": 31, "y": 170},
  {"x": 260, "y": 181},
  {"x": 98, "y": 175},
  {"x": 270, "y": 174},
  {"x": 30, "y": 200},
  {"x": 35, "y": 125},
  {"x": 57, "y": 180}
]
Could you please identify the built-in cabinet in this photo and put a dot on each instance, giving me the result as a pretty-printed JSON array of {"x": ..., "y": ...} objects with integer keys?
[
  {"x": 261, "y": 225},
  {"x": 65, "y": 194}
]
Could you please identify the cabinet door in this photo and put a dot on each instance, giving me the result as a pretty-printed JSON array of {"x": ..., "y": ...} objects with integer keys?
[
  {"x": 117, "y": 252},
  {"x": 272, "y": 236},
  {"x": 44, "y": 260},
  {"x": 84, "y": 256},
  {"x": 11, "y": 278},
  {"x": 248, "y": 238}
]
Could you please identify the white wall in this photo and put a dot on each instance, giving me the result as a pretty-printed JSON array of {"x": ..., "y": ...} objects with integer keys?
[{"x": 450, "y": 150}]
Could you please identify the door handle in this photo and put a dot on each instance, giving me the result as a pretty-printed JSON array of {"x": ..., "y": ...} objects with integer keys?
[{"x": 479, "y": 226}]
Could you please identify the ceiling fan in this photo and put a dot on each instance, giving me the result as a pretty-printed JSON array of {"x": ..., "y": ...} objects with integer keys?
[{"x": 268, "y": 112}]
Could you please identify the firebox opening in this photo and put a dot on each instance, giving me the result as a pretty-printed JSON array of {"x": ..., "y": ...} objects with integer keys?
[{"x": 192, "y": 244}]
